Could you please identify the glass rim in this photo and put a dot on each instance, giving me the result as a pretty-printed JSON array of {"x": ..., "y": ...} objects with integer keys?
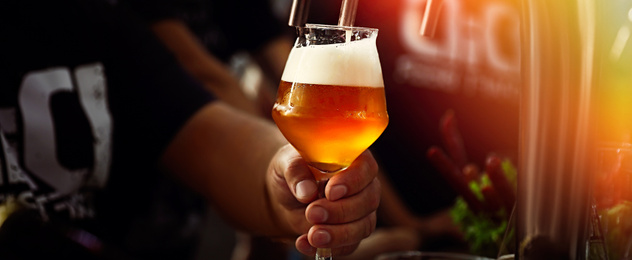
[
  {"x": 339, "y": 27},
  {"x": 447, "y": 255}
]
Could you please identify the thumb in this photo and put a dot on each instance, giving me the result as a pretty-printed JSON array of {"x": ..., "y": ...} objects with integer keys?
[{"x": 292, "y": 169}]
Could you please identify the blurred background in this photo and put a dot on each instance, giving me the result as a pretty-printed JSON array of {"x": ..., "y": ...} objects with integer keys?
[{"x": 467, "y": 70}]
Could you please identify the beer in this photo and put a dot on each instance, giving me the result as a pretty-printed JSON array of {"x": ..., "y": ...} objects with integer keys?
[
  {"x": 333, "y": 124},
  {"x": 330, "y": 103}
]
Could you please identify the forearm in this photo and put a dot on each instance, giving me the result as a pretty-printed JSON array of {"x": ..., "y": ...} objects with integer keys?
[
  {"x": 232, "y": 179},
  {"x": 392, "y": 209},
  {"x": 202, "y": 65},
  {"x": 272, "y": 57},
  {"x": 271, "y": 60}
]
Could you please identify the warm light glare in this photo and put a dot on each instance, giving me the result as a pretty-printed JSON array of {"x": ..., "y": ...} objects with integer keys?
[{"x": 614, "y": 71}]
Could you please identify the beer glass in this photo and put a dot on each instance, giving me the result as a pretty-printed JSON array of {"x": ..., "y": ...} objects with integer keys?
[
  {"x": 330, "y": 103},
  {"x": 420, "y": 255}
]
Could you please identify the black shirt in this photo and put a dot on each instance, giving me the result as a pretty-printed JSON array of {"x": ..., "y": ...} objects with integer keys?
[
  {"x": 89, "y": 100},
  {"x": 224, "y": 27}
]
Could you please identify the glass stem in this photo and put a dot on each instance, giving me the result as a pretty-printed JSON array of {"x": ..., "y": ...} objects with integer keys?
[{"x": 323, "y": 253}]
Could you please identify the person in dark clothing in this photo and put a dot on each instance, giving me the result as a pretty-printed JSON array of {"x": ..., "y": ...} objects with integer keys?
[
  {"x": 207, "y": 35},
  {"x": 96, "y": 116}
]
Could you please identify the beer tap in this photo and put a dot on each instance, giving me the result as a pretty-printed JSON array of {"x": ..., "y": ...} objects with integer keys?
[
  {"x": 348, "y": 12},
  {"x": 299, "y": 13},
  {"x": 430, "y": 18}
]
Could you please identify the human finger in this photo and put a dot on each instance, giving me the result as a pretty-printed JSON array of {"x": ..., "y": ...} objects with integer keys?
[
  {"x": 345, "y": 210},
  {"x": 303, "y": 246},
  {"x": 353, "y": 179},
  {"x": 292, "y": 170},
  {"x": 337, "y": 236}
]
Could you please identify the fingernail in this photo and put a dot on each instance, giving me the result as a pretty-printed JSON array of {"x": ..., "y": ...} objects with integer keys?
[
  {"x": 317, "y": 215},
  {"x": 337, "y": 192},
  {"x": 321, "y": 238},
  {"x": 305, "y": 189},
  {"x": 304, "y": 247}
]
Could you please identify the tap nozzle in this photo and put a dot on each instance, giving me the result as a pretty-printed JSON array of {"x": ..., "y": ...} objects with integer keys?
[
  {"x": 430, "y": 18},
  {"x": 299, "y": 12}
]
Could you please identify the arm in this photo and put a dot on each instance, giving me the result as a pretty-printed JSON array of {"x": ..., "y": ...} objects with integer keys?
[
  {"x": 217, "y": 152},
  {"x": 271, "y": 59},
  {"x": 394, "y": 213},
  {"x": 202, "y": 65},
  {"x": 244, "y": 166}
]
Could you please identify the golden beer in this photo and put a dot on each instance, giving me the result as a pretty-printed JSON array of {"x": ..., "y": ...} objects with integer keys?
[
  {"x": 330, "y": 103},
  {"x": 330, "y": 125}
]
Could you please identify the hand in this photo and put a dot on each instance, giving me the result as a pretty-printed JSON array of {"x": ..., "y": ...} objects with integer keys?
[{"x": 342, "y": 219}]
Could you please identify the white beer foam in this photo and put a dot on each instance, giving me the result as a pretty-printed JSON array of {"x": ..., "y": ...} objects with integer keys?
[{"x": 354, "y": 63}]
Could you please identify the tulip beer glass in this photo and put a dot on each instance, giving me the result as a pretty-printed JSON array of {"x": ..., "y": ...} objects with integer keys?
[{"x": 330, "y": 103}]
